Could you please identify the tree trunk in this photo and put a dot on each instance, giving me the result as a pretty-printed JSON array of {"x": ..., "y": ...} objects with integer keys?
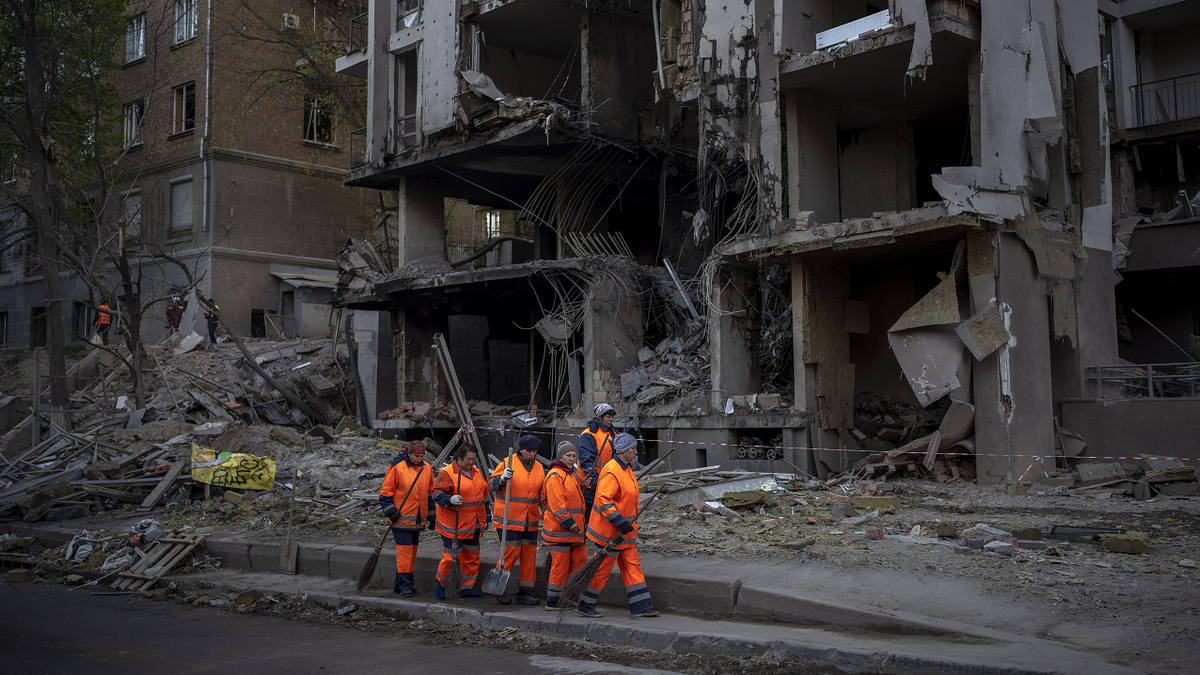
[{"x": 41, "y": 173}]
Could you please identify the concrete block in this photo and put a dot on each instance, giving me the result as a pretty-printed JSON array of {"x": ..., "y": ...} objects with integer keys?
[
  {"x": 345, "y": 562},
  {"x": 1094, "y": 473},
  {"x": 947, "y": 530},
  {"x": 1023, "y": 531},
  {"x": 234, "y": 555},
  {"x": 1178, "y": 489},
  {"x": 1127, "y": 542},
  {"x": 1017, "y": 490},
  {"x": 1141, "y": 491},
  {"x": 686, "y": 592},
  {"x": 984, "y": 332},
  {"x": 637, "y": 637},
  {"x": 1000, "y": 547},
  {"x": 313, "y": 559},
  {"x": 264, "y": 557},
  {"x": 872, "y": 503},
  {"x": 698, "y": 643},
  {"x": 17, "y": 576}
]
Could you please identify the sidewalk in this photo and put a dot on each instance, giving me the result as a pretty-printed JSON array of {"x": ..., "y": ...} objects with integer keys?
[
  {"x": 709, "y": 608},
  {"x": 849, "y": 651}
]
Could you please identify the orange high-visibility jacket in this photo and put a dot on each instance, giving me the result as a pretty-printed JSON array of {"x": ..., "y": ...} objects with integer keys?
[
  {"x": 472, "y": 514},
  {"x": 564, "y": 506},
  {"x": 400, "y": 476},
  {"x": 601, "y": 440},
  {"x": 105, "y": 317},
  {"x": 616, "y": 502},
  {"x": 525, "y": 511}
]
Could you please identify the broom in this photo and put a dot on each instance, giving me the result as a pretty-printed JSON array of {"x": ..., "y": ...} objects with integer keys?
[
  {"x": 368, "y": 570},
  {"x": 577, "y": 583},
  {"x": 454, "y": 577}
]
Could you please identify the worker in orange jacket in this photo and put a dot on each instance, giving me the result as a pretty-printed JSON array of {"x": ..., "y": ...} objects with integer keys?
[
  {"x": 595, "y": 449},
  {"x": 614, "y": 513},
  {"x": 563, "y": 524},
  {"x": 104, "y": 322},
  {"x": 405, "y": 499},
  {"x": 461, "y": 495},
  {"x": 523, "y": 505}
]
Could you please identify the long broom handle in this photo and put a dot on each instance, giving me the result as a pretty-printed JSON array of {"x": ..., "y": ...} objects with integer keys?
[
  {"x": 504, "y": 527},
  {"x": 400, "y": 510},
  {"x": 653, "y": 464}
]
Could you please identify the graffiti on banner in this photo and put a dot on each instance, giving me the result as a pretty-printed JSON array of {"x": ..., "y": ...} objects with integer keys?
[{"x": 232, "y": 469}]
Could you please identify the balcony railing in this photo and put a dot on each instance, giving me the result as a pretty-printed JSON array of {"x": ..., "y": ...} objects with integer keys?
[
  {"x": 1167, "y": 100},
  {"x": 358, "y": 33},
  {"x": 1157, "y": 380},
  {"x": 406, "y": 132},
  {"x": 358, "y": 147}
]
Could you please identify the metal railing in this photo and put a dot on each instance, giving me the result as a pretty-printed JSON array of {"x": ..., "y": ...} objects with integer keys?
[
  {"x": 359, "y": 35},
  {"x": 358, "y": 147},
  {"x": 1157, "y": 380},
  {"x": 1177, "y": 98}
]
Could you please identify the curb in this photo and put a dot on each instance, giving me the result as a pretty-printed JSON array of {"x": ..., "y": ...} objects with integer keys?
[{"x": 867, "y": 656}]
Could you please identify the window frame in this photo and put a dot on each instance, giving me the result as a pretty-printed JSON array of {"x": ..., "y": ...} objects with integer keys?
[
  {"x": 185, "y": 20},
  {"x": 314, "y": 111},
  {"x": 4, "y": 328},
  {"x": 133, "y": 128},
  {"x": 174, "y": 229},
  {"x": 135, "y": 34},
  {"x": 183, "y": 97}
]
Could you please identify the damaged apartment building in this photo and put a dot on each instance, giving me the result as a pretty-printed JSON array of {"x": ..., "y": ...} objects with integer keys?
[{"x": 782, "y": 235}]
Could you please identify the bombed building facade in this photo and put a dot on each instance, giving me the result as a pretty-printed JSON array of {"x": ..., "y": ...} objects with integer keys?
[{"x": 785, "y": 235}]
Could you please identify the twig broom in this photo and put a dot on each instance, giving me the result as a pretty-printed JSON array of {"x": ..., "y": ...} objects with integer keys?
[
  {"x": 368, "y": 570},
  {"x": 577, "y": 583}
]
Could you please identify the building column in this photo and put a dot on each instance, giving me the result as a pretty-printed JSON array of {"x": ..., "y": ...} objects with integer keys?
[
  {"x": 612, "y": 335},
  {"x": 734, "y": 361},
  {"x": 1014, "y": 428},
  {"x": 421, "y": 219}
]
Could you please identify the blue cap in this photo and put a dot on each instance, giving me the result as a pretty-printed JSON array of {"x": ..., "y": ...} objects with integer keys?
[
  {"x": 623, "y": 442},
  {"x": 529, "y": 442}
]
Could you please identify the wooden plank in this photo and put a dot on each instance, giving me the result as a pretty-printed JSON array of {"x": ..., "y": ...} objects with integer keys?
[{"x": 162, "y": 486}]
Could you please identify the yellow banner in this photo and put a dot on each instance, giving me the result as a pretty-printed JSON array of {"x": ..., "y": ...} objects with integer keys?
[{"x": 232, "y": 469}]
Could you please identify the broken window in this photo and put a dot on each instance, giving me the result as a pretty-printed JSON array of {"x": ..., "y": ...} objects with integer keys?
[
  {"x": 264, "y": 323},
  {"x": 407, "y": 81},
  {"x": 409, "y": 13},
  {"x": 185, "y": 109},
  {"x": 134, "y": 113},
  {"x": 318, "y": 121},
  {"x": 135, "y": 39}
]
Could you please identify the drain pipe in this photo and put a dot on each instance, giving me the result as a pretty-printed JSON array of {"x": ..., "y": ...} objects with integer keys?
[
  {"x": 361, "y": 398},
  {"x": 207, "y": 111}
]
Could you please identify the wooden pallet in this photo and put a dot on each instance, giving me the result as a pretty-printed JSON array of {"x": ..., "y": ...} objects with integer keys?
[{"x": 165, "y": 554}]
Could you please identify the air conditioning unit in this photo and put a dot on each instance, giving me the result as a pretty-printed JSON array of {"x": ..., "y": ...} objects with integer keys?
[{"x": 290, "y": 22}]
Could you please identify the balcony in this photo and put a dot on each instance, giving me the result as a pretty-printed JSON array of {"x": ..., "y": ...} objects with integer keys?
[
  {"x": 359, "y": 35},
  {"x": 1170, "y": 100},
  {"x": 358, "y": 147}
]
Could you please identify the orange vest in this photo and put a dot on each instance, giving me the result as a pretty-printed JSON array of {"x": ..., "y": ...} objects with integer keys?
[
  {"x": 525, "y": 512},
  {"x": 396, "y": 484},
  {"x": 604, "y": 448},
  {"x": 105, "y": 318},
  {"x": 616, "y": 496},
  {"x": 564, "y": 502},
  {"x": 472, "y": 514}
]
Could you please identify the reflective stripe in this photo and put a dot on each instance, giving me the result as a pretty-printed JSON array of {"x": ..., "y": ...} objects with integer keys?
[
  {"x": 522, "y": 500},
  {"x": 631, "y": 538},
  {"x": 561, "y": 513},
  {"x": 475, "y": 503}
]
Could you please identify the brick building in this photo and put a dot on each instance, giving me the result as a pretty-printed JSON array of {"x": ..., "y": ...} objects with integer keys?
[{"x": 230, "y": 164}]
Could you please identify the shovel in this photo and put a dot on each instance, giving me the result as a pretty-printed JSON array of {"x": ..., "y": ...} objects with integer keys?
[
  {"x": 287, "y": 552},
  {"x": 496, "y": 582}
]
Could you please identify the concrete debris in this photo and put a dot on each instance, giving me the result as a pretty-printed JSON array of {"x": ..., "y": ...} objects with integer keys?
[{"x": 984, "y": 332}]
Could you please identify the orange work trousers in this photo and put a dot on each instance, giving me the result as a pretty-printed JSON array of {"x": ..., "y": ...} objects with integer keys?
[
  {"x": 631, "y": 575},
  {"x": 564, "y": 559},
  {"x": 468, "y": 561},
  {"x": 521, "y": 545}
]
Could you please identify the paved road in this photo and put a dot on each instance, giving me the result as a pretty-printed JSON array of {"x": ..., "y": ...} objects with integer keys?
[{"x": 46, "y": 629}]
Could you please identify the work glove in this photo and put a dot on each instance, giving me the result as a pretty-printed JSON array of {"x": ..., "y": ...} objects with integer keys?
[
  {"x": 456, "y": 500},
  {"x": 431, "y": 523},
  {"x": 392, "y": 513},
  {"x": 625, "y": 527},
  {"x": 508, "y": 473}
]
